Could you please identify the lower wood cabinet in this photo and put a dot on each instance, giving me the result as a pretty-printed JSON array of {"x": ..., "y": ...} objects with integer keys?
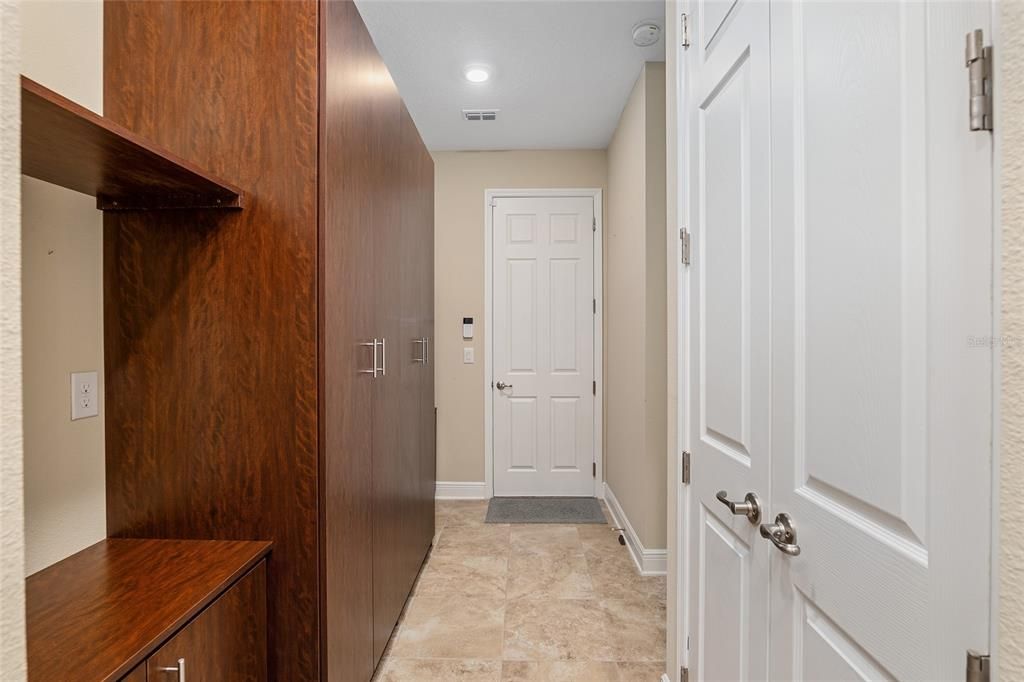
[
  {"x": 151, "y": 611},
  {"x": 226, "y": 642}
]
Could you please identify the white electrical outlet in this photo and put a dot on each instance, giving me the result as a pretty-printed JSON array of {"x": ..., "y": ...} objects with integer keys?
[
  {"x": 84, "y": 395},
  {"x": 467, "y": 356}
]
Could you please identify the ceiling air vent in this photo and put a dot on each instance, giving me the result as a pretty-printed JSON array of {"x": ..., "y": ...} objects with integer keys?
[{"x": 480, "y": 114}]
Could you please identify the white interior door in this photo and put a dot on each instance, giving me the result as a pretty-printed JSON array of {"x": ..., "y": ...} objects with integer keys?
[
  {"x": 543, "y": 346},
  {"x": 729, "y": 127},
  {"x": 841, "y": 363},
  {"x": 882, "y": 400}
]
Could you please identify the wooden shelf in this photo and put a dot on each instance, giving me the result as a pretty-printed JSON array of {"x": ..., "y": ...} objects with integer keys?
[
  {"x": 100, "y": 612},
  {"x": 66, "y": 144}
]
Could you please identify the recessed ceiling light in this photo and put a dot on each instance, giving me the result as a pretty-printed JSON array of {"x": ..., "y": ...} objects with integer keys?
[{"x": 477, "y": 74}]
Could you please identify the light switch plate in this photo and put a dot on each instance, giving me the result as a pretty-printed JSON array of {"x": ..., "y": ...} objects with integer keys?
[
  {"x": 85, "y": 400},
  {"x": 467, "y": 356}
]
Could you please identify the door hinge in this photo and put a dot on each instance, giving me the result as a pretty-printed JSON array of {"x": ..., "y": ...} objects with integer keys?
[
  {"x": 686, "y": 467},
  {"x": 684, "y": 675},
  {"x": 595, "y": 306},
  {"x": 684, "y": 31},
  {"x": 977, "y": 667},
  {"x": 593, "y": 223},
  {"x": 595, "y": 470},
  {"x": 595, "y": 388},
  {"x": 979, "y": 74},
  {"x": 684, "y": 237}
]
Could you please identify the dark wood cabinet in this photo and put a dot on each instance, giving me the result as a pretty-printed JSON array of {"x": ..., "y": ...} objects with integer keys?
[
  {"x": 244, "y": 399},
  {"x": 417, "y": 257},
  {"x": 390, "y": 459},
  {"x": 402, "y": 523},
  {"x": 125, "y": 609},
  {"x": 227, "y": 641}
]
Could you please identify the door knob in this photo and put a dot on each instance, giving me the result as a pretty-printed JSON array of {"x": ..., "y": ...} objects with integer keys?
[
  {"x": 750, "y": 507},
  {"x": 501, "y": 385},
  {"x": 782, "y": 533}
]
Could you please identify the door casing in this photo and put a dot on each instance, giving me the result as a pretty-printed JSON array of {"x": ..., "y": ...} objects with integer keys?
[{"x": 489, "y": 196}]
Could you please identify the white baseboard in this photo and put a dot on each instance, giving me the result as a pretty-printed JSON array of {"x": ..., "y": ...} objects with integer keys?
[
  {"x": 461, "y": 490},
  {"x": 664, "y": 678},
  {"x": 648, "y": 561}
]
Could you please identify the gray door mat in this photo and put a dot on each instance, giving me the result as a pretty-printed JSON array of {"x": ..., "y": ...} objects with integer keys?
[{"x": 545, "y": 510}]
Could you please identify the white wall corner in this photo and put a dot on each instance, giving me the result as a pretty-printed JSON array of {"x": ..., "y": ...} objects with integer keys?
[
  {"x": 12, "y": 523},
  {"x": 648, "y": 561},
  {"x": 461, "y": 490}
]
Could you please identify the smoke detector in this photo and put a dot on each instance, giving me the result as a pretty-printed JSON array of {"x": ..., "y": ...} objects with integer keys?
[{"x": 646, "y": 33}]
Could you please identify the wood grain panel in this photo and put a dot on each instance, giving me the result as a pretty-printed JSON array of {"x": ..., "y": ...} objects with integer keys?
[
  {"x": 398, "y": 539},
  {"x": 64, "y": 143},
  {"x": 423, "y": 206},
  {"x": 417, "y": 302},
  {"x": 138, "y": 674},
  {"x": 390, "y": 463},
  {"x": 211, "y": 320},
  {"x": 97, "y": 614},
  {"x": 354, "y": 114},
  {"x": 226, "y": 642}
]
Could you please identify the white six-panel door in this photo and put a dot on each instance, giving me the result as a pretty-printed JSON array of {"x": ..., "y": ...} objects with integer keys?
[
  {"x": 543, "y": 346},
  {"x": 840, "y": 312}
]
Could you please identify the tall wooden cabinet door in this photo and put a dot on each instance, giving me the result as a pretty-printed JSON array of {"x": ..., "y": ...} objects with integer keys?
[
  {"x": 390, "y": 468},
  {"x": 414, "y": 288},
  {"x": 417, "y": 285},
  {"x": 226, "y": 641},
  {"x": 355, "y": 126},
  {"x": 423, "y": 209}
]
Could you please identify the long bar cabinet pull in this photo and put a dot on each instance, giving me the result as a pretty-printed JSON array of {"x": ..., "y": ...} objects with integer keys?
[
  {"x": 178, "y": 669},
  {"x": 370, "y": 344}
]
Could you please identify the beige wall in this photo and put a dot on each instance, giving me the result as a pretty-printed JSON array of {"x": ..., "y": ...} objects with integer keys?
[
  {"x": 1010, "y": 123},
  {"x": 65, "y": 510},
  {"x": 461, "y": 178},
  {"x": 635, "y": 300},
  {"x": 12, "y": 535}
]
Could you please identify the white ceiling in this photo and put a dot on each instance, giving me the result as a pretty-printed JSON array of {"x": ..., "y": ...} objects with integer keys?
[{"x": 561, "y": 71}]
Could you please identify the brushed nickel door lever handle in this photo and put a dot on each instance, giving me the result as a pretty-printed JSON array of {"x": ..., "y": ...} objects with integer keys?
[
  {"x": 782, "y": 533},
  {"x": 750, "y": 507}
]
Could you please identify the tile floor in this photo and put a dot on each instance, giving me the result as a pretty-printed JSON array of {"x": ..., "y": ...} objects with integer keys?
[{"x": 527, "y": 603}]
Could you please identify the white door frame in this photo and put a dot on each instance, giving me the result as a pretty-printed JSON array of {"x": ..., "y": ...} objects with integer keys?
[
  {"x": 997, "y": 350},
  {"x": 489, "y": 196},
  {"x": 678, "y": 324}
]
